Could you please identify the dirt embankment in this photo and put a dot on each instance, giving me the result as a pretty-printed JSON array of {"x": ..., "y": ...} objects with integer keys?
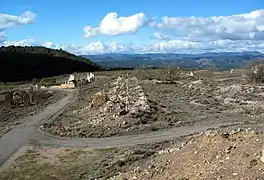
[{"x": 211, "y": 155}]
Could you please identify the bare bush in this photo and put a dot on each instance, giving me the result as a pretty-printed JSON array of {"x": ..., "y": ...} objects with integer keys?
[
  {"x": 47, "y": 82},
  {"x": 174, "y": 74},
  {"x": 255, "y": 72}
]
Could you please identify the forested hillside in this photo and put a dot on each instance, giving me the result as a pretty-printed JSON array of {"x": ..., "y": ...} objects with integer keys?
[{"x": 26, "y": 63}]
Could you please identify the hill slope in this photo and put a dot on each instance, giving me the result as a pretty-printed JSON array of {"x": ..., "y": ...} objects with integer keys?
[{"x": 26, "y": 63}]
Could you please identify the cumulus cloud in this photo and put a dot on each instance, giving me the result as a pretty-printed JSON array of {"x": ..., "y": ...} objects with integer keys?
[
  {"x": 112, "y": 25},
  {"x": 169, "y": 46},
  {"x": 2, "y": 37},
  {"x": 173, "y": 46},
  {"x": 49, "y": 45},
  {"x": 25, "y": 42},
  {"x": 9, "y": 21},
  {"x": 247, "y": 26},
  {"x": 94, "y": 47},
  {"x": 99, "y": 47},
  {"x": 163, "y": 36}
]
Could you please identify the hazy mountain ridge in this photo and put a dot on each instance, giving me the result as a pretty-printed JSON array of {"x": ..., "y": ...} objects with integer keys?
[{"x": 221, "y": 60}]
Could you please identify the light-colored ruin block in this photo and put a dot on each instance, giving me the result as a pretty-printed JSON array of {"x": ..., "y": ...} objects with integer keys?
[
  {"x": 71, "y": 78},
  {"x": 90, "y": 77}
]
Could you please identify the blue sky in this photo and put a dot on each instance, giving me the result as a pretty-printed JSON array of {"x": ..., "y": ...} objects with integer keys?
[{"x": 61, "y": 24}]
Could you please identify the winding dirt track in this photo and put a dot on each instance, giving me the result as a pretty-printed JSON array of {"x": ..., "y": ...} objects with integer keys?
[{"x": 28, "y": 132}]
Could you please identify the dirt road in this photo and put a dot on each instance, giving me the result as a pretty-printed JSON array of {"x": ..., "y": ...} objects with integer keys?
[
  {"x": 28, "y": 133},
  {"x": 14, "y": 139},
  {"x": 44, "y": 139}
]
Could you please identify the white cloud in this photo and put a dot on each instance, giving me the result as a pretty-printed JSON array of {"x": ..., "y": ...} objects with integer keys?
[
  {"x": 173, "y": 46},
  {"x": 98, "y": 47},
  {"x": 170, "y": 46},
  {"x": 2, "y": 37},
  {"x": 94, "y": 47},
  {"x": 248, "y": 26},
  {"x": 90, "y": 31},
  {"x": 49, "y": 45},
  {"x": 112, "y": 25},
  {"x": 10, "y": 21},
  {"x": 25, "y": 42},
  {"x": 120, "y": 48},
  {"x": 162, "y": 36}
]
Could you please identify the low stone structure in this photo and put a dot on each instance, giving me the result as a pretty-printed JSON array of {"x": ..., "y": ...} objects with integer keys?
[
  {"x": 90, "y": 77},
  {"x": 8, "y": 100},
  {"x": 77, "y": 79},
  {"x": 18, "y": 98}
]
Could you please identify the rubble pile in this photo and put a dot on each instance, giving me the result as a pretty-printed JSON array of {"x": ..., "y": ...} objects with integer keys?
[
  {"x": 126, "y": 96},
  {"x": 124, "y": 100},
  {"x": 99, "y": 99}
]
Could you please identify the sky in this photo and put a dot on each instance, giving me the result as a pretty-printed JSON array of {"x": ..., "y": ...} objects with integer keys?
[{"x": 134, "y": 26}]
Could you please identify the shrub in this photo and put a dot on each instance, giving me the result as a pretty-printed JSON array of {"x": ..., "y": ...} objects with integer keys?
[
  {"x": 47, "y": 82},
  {"x": 255, "y": 72},
  {"x": 173, "y": 74}
]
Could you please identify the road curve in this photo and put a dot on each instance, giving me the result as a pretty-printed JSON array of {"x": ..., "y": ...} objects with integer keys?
[
  {"x": 40, "y": 138},
  {"x": 15, "y": 138},
  {"x": 28, "y": 132}
]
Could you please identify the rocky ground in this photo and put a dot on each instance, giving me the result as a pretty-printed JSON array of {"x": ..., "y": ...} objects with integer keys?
[
  {"x": 138, "y": 101},
  {"x": 9, "y": 118},
  {"x": 214, "y": 154}
]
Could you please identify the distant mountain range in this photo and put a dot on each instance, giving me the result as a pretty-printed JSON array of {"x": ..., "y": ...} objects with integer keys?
[{"x": 221, "y": 60}]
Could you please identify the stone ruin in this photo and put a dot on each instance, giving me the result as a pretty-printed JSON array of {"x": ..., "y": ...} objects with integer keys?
[
  {"x": 81, "y": 79},
  {"x": 18, "y": 98}
]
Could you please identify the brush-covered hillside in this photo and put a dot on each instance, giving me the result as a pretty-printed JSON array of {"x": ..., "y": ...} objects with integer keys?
[{"x": 26, "y": 63}]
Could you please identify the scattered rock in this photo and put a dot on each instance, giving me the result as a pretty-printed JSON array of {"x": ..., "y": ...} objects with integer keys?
[
  {"x": 253, "y": 162},
  {"x": 262, "y": 155}
]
